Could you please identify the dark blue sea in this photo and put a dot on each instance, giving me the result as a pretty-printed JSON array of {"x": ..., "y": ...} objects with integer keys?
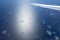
[{"x": 19, "y": 20}]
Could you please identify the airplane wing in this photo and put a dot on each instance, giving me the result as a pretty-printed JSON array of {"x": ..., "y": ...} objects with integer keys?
[{"x": 54, "y": 7}]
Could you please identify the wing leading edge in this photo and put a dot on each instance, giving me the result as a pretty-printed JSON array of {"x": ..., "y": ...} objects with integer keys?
[{"x": 54, "y": 7}]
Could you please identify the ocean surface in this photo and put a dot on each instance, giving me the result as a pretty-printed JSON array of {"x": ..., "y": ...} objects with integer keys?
[{"x": 19, "y": 20}]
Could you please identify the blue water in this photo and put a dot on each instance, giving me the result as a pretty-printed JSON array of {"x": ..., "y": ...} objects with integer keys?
[{"x": 44, "y": 18}]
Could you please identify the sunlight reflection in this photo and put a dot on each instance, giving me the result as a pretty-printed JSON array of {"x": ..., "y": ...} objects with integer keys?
[{"x": 26, "y": 21}]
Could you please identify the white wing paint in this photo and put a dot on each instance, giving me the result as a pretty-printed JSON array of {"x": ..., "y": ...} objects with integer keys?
[{"x": 54, "y": 7}]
